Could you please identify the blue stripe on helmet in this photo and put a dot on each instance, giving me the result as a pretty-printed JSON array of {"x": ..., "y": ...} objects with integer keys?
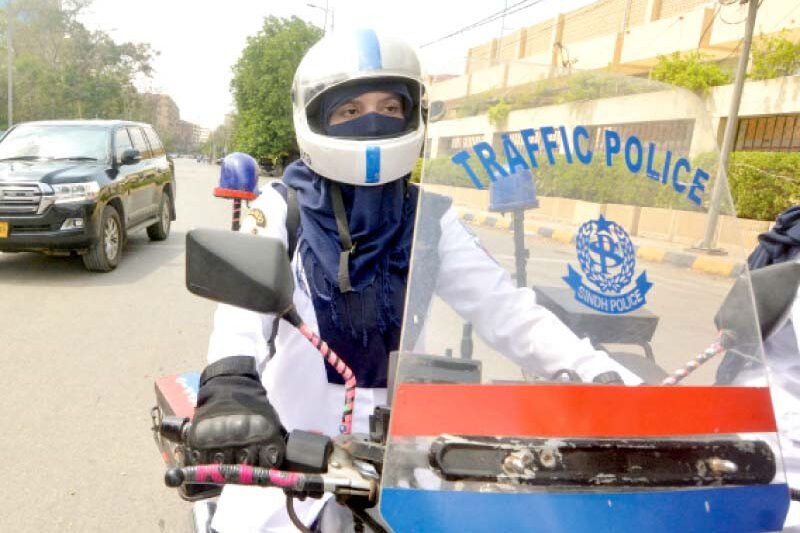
[
  {"x": 369, "y": 51},
  {"x": 373, "y": 164}
]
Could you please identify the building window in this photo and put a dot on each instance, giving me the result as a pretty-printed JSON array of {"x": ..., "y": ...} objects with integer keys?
[
  {"x": 673, "y": 135},
  {"x": 450, "y": 145},
  {"x": 776, "y": 133}
]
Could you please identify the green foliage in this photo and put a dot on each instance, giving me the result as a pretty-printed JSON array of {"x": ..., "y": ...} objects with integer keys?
[
  {"x": 63, "y": 70},
  {"x": 600, "y": 183},
  {"x": 498, "y": 113},
  {"x": 416, "y": 174},
  {"x": 261, "y": 85},
  {"x": 774, "y": 57},
  {"x": 471, "y": 106},
  {"x": 552, "y": 91},
  {"x": 690, "y": 70},
  {"x": 595, "y": 182},
  {"x": 764, "y": 183},
  {"x": 217, "y": 141}
]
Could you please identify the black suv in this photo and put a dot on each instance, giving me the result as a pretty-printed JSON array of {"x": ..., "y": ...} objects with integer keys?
[{"x": 81, "y": 186}]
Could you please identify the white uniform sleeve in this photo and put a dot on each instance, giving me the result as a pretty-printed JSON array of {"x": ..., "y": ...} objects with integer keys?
[
  {"x": 238, "y": 331},
  {"x": 507, "y": 317}
]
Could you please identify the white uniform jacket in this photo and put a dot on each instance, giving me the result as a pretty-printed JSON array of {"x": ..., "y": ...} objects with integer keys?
[{"x": 504, "y": 316}]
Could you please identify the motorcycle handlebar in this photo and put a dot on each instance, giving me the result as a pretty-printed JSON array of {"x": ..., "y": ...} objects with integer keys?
[
  {"x": 176, "y": 429},
  {"x": 222, "y": 474}
]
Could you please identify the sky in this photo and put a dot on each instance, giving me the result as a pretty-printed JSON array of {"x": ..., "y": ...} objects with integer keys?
[{"x": 200, "y": 40}]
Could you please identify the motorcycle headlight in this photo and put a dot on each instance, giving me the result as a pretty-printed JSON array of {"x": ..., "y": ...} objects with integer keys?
[{"x": 75, "y": 192}]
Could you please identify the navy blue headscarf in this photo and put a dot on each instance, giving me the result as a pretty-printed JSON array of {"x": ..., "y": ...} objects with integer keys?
[
  {"x": 362, "y": 325},
  {"x": 779, "y": 244},
  {"x": 372, "y": 125}
]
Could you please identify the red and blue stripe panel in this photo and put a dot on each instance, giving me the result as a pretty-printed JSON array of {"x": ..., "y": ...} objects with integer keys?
[{"x": 581, "y": 411}]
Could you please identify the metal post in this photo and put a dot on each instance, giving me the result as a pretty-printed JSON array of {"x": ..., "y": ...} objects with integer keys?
[
  {"x": 326, "y": 10},
  {"x": 626, "y": 15},
  {"x": 466, "y": 341},
  {"x": 502, "y": 31},
  {"x": 730, "y": 131},
  {"x": 237, "y": 213},
  {"x": 520, "y": 252},
  {"x": 10, "y": 65}
]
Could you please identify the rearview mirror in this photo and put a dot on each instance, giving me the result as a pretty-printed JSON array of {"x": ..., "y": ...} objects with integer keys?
[
  {"x": 437, "y": 110},
  {"x": 243, "y": 270},
  {"x": 774, "y": 288},
  {"x": 130, "y": 156}
]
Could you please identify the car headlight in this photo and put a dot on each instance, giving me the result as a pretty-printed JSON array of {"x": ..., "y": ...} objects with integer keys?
[{"x": 75, "y": 192}]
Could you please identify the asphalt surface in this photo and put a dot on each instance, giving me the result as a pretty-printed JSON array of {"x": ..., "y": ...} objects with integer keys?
[
  {"x": 81, "y": 351},
  {"x": 683, "y": 301}
]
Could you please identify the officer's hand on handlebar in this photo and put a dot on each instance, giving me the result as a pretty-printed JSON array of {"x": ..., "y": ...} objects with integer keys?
[{"x": 234, "y": 422}]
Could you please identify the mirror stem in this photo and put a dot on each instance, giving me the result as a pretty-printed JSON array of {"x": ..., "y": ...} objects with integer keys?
[{"x": 292, "y": 317}]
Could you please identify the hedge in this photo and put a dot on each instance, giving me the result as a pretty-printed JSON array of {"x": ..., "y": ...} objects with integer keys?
[
  {"x": 762, "y": 184},
  {"x": 595, "y": 182}
]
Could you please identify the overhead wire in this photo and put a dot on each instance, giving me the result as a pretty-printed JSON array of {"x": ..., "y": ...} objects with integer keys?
[
  {"x": 578, "y": 12},
  {"x": 738, "y": 21},
  {"x": 515, "y": 42},
  {"x": 525, "y": 4},
  {"x": 711, "y": 22},
  {"x": 513, "y": 8}
]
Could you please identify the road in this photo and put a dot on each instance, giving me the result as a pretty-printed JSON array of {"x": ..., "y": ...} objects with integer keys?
[
  {"x": 684, "y": 302},
  {"x": 81, "y": 351}
]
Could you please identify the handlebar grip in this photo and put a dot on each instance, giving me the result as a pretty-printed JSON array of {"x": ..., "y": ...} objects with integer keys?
[{"x": 312, "y": 484}]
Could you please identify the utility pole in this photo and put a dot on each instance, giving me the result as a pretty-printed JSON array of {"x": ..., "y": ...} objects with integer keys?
[
  {"x": 10, "y": 64},
  {"x": 626, "y": 16},
  {"x": 326, "y": 10},
  {"x": 730, "y": 131},
  {"x": 502, "y": 31}
]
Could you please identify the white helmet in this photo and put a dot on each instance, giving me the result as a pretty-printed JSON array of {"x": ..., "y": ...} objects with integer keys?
[{"x": 343, "y": 59}]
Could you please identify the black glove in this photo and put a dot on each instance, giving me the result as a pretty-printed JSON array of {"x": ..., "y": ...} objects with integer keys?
[{"x": 234, "y": 422}]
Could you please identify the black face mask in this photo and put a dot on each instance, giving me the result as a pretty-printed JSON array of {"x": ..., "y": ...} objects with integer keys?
[{"x": 369, "y": 125}]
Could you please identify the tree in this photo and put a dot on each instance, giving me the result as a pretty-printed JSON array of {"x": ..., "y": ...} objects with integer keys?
[
  {"x": 217, "y": 141},
  {"x": 63, "y": 70},
  {"x": 690, "y": 71},
  {"x": 261, "y": 84},
  {"x": 774, "y": 57}
]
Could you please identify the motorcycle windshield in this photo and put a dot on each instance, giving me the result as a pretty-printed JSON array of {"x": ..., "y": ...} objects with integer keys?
[{"x": 581, "y": 350}]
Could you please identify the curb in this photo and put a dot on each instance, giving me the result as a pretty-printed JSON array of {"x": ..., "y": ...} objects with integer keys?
[{"x": 699, "y": 263}]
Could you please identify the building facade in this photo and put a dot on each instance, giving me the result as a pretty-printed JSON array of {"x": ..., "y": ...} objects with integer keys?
[{"x": 629, "y": 37}]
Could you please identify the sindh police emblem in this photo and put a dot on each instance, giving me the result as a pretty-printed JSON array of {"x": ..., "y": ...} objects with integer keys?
[{"x": 608, "y": 259}]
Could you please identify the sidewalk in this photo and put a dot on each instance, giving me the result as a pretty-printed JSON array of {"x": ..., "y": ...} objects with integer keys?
[{"x": 650, "y": 250}]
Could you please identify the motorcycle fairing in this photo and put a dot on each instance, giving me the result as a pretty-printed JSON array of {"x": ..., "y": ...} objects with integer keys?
[{"x": 586, "y": 139}]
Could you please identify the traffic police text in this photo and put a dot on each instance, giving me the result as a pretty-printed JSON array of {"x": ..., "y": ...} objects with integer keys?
[{"x": 541, "y": 143}]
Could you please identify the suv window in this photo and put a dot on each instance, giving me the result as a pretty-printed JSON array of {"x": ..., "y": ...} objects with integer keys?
[
  {"x": 122, "y": 142},
  {"x": 46, "y": 141},
  {"x": 139, "y": 142},
  {"x": 155, "y": 142}
]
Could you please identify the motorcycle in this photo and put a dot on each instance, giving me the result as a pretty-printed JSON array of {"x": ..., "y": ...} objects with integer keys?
[{"x": 495, "y": 440}]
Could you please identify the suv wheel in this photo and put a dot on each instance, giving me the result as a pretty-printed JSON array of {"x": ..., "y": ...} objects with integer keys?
[
  {"x": 104, "y": 255},
  {"x": 160, "y": 230}
]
